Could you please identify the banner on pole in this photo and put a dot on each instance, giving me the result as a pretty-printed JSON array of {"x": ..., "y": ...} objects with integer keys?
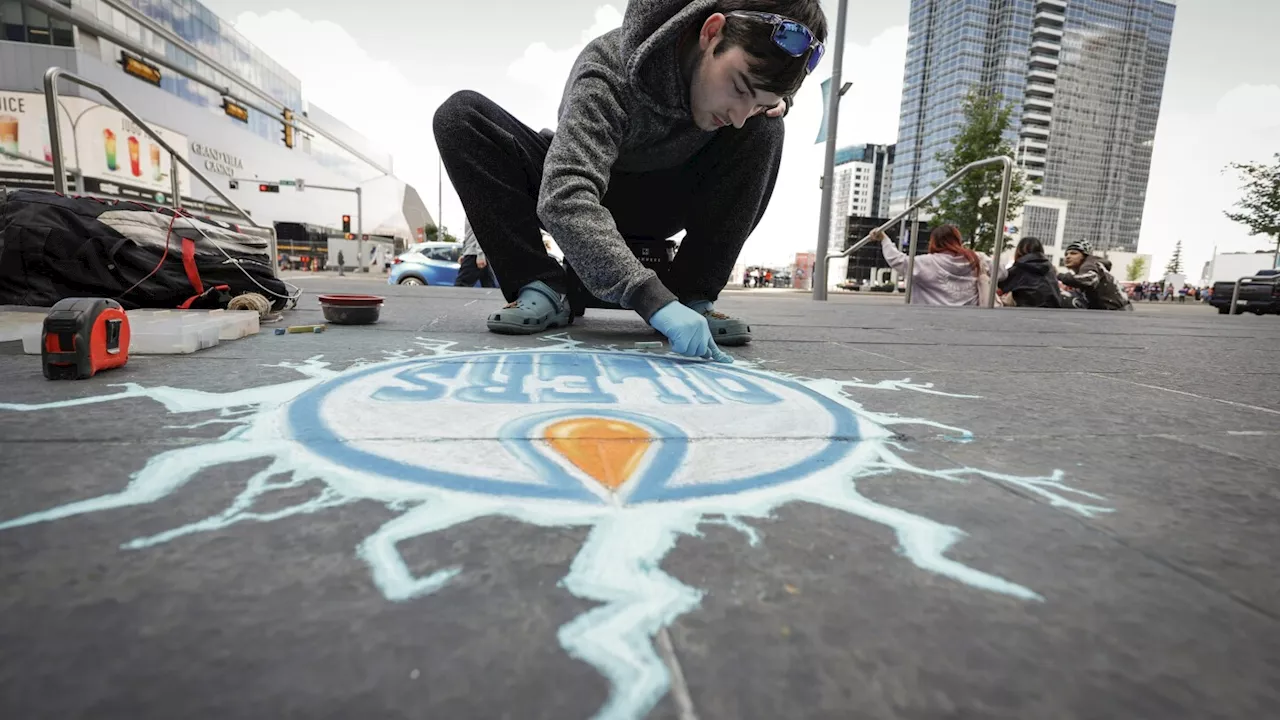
[{"x": 826, "y": 112}]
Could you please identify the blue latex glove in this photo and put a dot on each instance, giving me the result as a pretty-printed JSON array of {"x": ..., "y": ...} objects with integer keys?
[{"x": 688, "y": 332}]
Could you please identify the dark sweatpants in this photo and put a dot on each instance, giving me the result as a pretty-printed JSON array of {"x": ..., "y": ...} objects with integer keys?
[
  {"x": 469, "y": 273},
  {"x": 495, "y": 163}
]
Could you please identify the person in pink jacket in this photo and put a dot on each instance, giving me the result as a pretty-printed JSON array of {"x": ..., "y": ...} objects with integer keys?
[{"x": 948, "y": 275}]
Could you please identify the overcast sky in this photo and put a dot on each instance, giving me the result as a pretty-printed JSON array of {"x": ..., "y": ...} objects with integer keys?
[{"x": 385, "y": 67}]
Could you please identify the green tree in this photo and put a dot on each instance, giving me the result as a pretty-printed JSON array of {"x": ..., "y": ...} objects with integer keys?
[
  {"x": 1175, "y": 263},
  {"x": 973, "y": 203},
  {"x": 1136, "y": 269},
  {"x": 1260, "y": 206},
  {"x": 431, "y": 233}
]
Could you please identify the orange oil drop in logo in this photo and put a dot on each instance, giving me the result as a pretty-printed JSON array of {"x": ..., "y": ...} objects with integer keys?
[{"x": 607, "y": 450}]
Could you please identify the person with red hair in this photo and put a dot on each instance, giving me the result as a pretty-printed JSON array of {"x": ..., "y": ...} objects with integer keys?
[{"x": 948, "y": 275}]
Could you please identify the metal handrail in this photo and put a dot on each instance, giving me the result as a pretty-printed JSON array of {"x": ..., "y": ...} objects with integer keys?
[
  {"x": 1007, "y": 181},
  {"x": 51, "y": 77},
  {"x": 1235, "y": 294},
  {"x": 45, "y": 163}
]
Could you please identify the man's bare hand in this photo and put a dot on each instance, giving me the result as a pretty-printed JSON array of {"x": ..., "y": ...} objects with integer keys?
[
  {"x": 777, "y": 110},
  {"x": 482, "y": 263}
]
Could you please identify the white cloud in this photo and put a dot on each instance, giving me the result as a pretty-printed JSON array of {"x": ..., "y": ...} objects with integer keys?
[
  {"x": 541, "y": 71},
  {"x": 371, "y": 95},
  {"x": 1189, "y": 189}
]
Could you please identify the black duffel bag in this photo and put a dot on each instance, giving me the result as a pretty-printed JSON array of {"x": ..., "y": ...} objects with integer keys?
[{"x": 54, "y": 246}]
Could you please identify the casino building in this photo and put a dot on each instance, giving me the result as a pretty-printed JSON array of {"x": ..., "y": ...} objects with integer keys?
[{"x": 233, "y": 112}]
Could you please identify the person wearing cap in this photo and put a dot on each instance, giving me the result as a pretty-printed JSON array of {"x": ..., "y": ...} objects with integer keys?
[
  {"x": 1089, "y": 275},
  {"x": 671, "y": 122}
]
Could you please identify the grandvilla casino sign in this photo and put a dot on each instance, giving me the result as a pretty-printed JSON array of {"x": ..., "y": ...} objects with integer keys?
[{"x": 217, "y": 161}]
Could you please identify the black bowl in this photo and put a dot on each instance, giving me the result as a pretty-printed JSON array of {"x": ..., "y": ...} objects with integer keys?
[
  {"x": 351, "y": 314},
  {"x": 351, "y": 309}
]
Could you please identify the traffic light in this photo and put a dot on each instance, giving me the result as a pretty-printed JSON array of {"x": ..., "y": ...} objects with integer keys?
[
  {"x": 346, "y": 223},
  {"x": 288, "y": 127},
  {"x": 268, "y": 187}
]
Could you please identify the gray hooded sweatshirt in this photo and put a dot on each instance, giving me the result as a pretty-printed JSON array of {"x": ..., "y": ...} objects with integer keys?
[{"x": 625, "y": 107}]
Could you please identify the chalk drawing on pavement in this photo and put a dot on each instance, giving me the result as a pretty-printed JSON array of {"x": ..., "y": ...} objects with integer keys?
[{"x": 642, "y": 449}]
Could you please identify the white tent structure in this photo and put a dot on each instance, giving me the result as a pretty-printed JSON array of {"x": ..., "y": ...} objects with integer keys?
[{"x": 402, "y": 221}]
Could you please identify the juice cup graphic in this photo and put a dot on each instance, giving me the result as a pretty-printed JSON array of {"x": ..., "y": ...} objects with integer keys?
[
  {"x": 9, "y": 133},
  {"x": 135, "y": 157},
  {"x": 109, "y": 140},
  {"x": 156, "y": 173}
]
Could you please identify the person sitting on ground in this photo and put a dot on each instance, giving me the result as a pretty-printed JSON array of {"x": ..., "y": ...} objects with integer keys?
[
  {"x": 672, "y": 121},
  {"x": 1090, "y": 277},
  {"x": 1031, "y": 281},
  {"x": 948, "y": 275}
]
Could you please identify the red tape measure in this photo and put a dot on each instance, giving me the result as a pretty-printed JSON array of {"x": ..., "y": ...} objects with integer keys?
[{"x": 82, "y": 337}]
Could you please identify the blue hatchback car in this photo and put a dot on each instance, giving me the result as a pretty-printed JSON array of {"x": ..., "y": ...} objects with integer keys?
[{"x": 430, "y": 263}]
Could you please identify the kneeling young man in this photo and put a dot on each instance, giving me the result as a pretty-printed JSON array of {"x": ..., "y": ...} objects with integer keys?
[{"x": 671, "y": 122}]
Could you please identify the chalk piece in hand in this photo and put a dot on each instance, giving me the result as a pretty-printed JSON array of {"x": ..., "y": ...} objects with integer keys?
[{"x": 649, "y": 346}]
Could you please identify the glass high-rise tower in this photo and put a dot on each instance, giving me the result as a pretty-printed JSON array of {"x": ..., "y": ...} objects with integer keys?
[{"x": 1084, "y": 78}]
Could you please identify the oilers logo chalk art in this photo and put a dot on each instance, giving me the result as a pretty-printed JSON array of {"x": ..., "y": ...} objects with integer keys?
[
  {"x": 590, "y": 427},
  {"x": 642, "y": 449}
]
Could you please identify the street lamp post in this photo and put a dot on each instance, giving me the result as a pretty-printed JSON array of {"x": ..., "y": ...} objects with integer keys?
[{"x": 828, "y": 165}]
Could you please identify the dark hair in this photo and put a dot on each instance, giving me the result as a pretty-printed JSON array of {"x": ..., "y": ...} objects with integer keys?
[
  {"x": 773, "y": 69},
  {"x": 947, "y": 239},
  {"x": 1028, "y": 245}
]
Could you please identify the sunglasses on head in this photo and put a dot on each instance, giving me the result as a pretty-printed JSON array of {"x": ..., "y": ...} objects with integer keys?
[{"x": 790, "y": 36}]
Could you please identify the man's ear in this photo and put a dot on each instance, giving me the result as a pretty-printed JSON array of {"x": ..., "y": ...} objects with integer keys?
[{"x": 711, "y": 30}]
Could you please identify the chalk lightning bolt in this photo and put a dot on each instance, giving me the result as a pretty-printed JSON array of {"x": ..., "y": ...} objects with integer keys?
[{"x": 619, "y": 565}]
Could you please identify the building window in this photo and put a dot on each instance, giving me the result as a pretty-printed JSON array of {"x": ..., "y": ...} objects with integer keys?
[
  {"x": 11, "y": 19},
  {"x": 20, "y": 23},
  {"x": 37, "y": 26},
  {"x": 62, "y": 33}
]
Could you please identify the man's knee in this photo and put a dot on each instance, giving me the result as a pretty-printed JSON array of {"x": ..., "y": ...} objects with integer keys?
[{"x": 457, "y": 112}]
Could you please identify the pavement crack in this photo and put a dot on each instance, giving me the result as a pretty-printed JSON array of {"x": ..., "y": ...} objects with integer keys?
[
  {"x": 1152, "y": 556},
  {"x": 679, "y": 689},
  {"x": 1189, "y": 440},
  {"x": 1184, "y": 572},
  {"x": 1192, "y": 395}
]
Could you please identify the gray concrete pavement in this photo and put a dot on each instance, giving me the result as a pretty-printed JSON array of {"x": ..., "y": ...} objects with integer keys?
[{"x": 879, "y": 511}]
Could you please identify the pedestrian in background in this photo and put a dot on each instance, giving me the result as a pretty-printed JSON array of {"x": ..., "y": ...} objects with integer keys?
[{"x": 472, "y": 266}]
